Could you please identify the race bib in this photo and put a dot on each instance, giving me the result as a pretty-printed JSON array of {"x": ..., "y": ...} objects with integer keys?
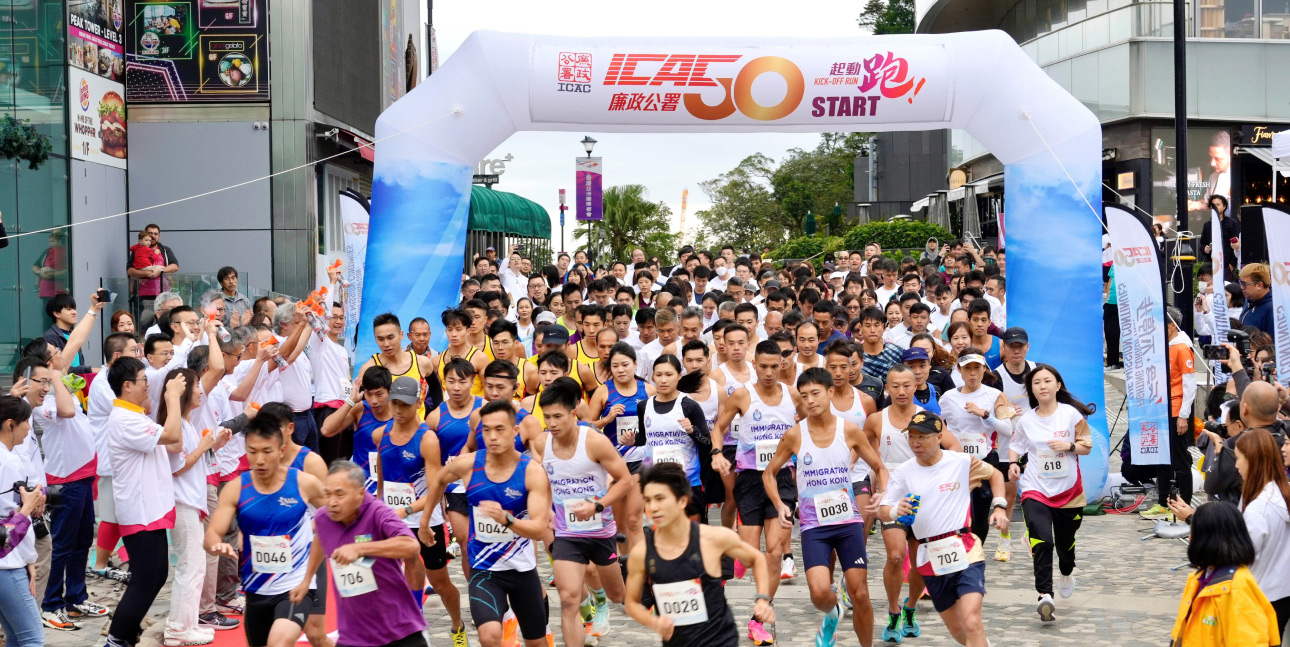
[
  {"x": 1054, "y": 465},
  {"x": 628, "y": 427},
  {"x": 398, "y": 495},
  {"x": 947, "y": 555},
  {"x": 271, "y": 554},
  {"x": 355, "y": 578},
  {"x": 371, "y": 463},
  {"x": 765, "y": 451},
  {"x": 669, "y": 454},
  {"x": 683, "y": 602},
  {"x": 346, "y": 387},
  {"x": 581, "y": 525},
  {"x": 834, "y": 507},
  {"x": 489, "y": 531},
  {"x": 975, "y": 445}
]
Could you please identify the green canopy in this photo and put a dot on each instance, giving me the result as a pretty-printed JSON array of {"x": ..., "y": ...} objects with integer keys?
[{"x": 507, "y": 213}]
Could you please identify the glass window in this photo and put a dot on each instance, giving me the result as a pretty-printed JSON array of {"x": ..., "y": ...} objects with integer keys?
[
  {"x": 1113, "y": 82},
  {"x": 1072, "y": 41},
  {"x": 1097, "y": 32},
  {"x": 1276, "y": 19},
  {"x": 1084, "y": 81},
  {"x": 1238, "y": 67},
  {"x": 1227, "y": 19}
]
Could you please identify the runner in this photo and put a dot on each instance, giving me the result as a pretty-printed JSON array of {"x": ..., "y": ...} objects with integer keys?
[
  {"x": 498, "y": 377},
  {"x": 1053, "y": 434},
  {"x": 389, "y": 338},
  {"x": 580, "y": 353},
  {"x": 451, "y": 423},
  {"x": 1014, "y": 344},
  {"x": 828, "y": 446},
  {"x": 552, "y": 365},
  {"x": 271, "y": 508},
  {"x": 618, "y": 403},
  {"x": 509, "y": 500},
  {"x": 675, "y": 431},
  {"x": 368, "y": 409},
  {"x": 949, "y": 557},
  {"x": 808, "y": 342},
  {"x": 884, "y": 431},
  {"x": 579, "y": 465},
  {"x": 476, "y": 335},
  {"x": 732, "y": 374},
  {"x": 854, "y": 407},
  {"x": 407, "y": 458},
  {"x": 977, "y": 414},
  {"x": 457, "y": 325},
  {"x": 678, "y": 569},
  {"x": 605, "y": 340},
  {"x": 367, "y": 544},
  {"x": 766, "y": 410},
  {"x": 707, "y": 392}
]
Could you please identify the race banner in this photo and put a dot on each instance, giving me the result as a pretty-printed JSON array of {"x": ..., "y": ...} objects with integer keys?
[
  {"x": 1218, "y": 309},
  {"x": 590, "y": 191},
  {"x": 1139, "y": 288},
  {"x": 1276, "y": 224},
  {"x": 354, "y": 210}
]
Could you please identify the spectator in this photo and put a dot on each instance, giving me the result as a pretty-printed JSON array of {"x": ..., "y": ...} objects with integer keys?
[
  {"x": 1256, "y": 285},
  {"x": 213, "y": 304},
  {"x": 1221, "y": 604},
  {"x": 1229, "y": 230},
  {"x": 169, "y": 262},
  {"x": 51, "y": 269},
  {"x": 18, "y": 611},
  {"x": 62, "y": 309},
  {"x": 1265, "y": 504},
  {"x": 166, "y": 301},
  {"x": 146, "y": 266},
  {"x": 122, "y": 321},
  {"x": 236, "y": 305}
]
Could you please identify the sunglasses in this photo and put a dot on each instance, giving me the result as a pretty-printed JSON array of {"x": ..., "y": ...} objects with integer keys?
[{"x": 787, "y": 352}]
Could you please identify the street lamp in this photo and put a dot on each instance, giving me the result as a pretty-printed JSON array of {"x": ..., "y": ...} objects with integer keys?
[{"x": 588, "y": 143}]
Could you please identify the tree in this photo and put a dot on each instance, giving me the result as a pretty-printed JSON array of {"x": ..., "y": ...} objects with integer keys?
[
  {"x": 631, "y": 221},
  {"x": 888, "y": 17},
  {"x": 743, "y": 213}
]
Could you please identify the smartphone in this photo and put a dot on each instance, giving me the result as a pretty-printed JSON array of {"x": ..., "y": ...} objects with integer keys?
[
  {"x": 104, "y": 296},
  {"x": 26, "y": 376},
  {"x": 1214, "y": 352}
]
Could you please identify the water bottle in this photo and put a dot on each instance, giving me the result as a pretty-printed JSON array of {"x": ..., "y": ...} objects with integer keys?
[
  {"x": 318, "y": 324},
  {"x": 908, "y": 519},
  {"x": 223, "y": 333}
]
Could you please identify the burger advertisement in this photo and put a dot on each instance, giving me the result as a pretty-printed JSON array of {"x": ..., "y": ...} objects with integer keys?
[{"x": 98, "y": 119}]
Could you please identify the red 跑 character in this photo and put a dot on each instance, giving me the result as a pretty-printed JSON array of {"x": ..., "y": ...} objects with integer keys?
[{"x": 890, "y": 73}]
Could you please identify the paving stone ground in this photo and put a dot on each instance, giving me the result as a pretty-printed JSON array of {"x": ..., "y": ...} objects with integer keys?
[{"x": 1127, "y": 595}]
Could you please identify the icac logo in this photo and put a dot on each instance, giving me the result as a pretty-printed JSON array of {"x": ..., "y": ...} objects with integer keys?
[{"x": 690, "y": 70}]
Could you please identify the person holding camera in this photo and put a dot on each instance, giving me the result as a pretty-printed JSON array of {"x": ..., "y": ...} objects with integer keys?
[{"x": 19, "y": 614}]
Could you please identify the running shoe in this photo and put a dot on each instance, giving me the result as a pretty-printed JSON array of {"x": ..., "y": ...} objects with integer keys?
[
  {"x": 1045, "y": 608},
  {"x": 590, "y": 639},
  {"x": 826, "y": 635},
  {"x": 842, "y": 592},
  {"x": 58, "y": 620},
  {"x": 739, "y": 570},
  {"x": 1156, "y": 512},
  {"x": 1066, "y": 585},
  {"x": 217, "y": 621},
  {"x": 236, "y": 606},
  {"x": 1004, "y": 552},
  {"x": 110, "y": 573},
  {"x": 453, "y": 549},
  {"x": 587, "y": 610},
  {"x": 788, "y": 568},
  {"x": 911, "y": 628},
  {"x": 191, "y": 637},
  {"x": 891, "y": 633},
  {"x": 86, "y": 609},
  {"x": 758, "y": 634},
  {"x": 510, "y": 626},
  {"x": 459, "y": 638},
  {"x": 600, "y": 617}
]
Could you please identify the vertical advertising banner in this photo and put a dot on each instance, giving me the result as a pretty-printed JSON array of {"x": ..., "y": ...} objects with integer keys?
[
  {"x": 590, "y": 197},
  {"x": 1140, "y": 291},
  {"x": 1218, "y": 309},
  {"x": 96, "y": 95},
  {"x": 354, "y": 214},
  {"x": 1276, "y": 224}
]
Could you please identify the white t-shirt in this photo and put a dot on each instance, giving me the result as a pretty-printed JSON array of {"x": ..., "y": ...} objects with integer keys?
[
  {"x": 331, "y": 370},
  {"x": 884, "y": 295},
  {"x": 68, "y": 442},
  {"x": 190, "y": 487},
  {"x": 975, "y": 433},
  {"x": 157, "y": 376},
  {"x": 100, "y": 407},
  {"x": 12, "y": 470},
  {"x": 143, "y": 487},
  {"x": 297, "y": 382},
  {"x": 230, "y": 455},
  {"x": 645, "y": 360},
  {"x": 937, "y": 321},
  {"x": 32, "y": 461},
  {"x": 944, "y": 498},
  {"x": 1051, "y": 477}
]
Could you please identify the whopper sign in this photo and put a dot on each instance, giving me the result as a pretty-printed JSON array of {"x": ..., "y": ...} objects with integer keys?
[
  {"x": 696, "y": 85},
  {"x": 97, "y": 114},
  {"x": 1140, "y": 294}
]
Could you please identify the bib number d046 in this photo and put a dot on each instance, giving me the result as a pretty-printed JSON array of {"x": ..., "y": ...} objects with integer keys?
[{"x": 270, "y": 554}]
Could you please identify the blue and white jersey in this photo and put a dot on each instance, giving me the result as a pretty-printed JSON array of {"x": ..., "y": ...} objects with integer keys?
[
  {"x": 493, "y": 546},
  {"x": 519, "y": 442},
  {"x": 628, "y": 421},
  {"x": 298, "y": 463},
  {"x": 453, "y": 433},
  {"x": 277, "y": 530},
  {"x": 403, "y": 469},
  {"x": 364, "y": 449}
]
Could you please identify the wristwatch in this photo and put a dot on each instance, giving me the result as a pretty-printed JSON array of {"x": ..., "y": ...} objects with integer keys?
[
  {"x": 407, "y": 509},
  {"x": 510, "y": 519},
  {"x": 600, "y": 507},
  {"x": 715, "y": 451},
  {"x": 1072, "y": 448}
]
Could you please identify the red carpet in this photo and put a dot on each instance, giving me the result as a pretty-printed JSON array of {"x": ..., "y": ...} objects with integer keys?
[{"x": 237, "y": 637}]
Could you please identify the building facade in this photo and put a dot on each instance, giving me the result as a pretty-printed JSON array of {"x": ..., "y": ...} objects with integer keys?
[{"x": 148, "y": 104}]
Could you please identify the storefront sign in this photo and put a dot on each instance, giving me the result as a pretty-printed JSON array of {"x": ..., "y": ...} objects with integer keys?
[
  {"x": 94, "y": 37},
  {"x": 1257, "y": 136},
  {"x": 197, "y": 51},
  {"x": 97, "y": 118}
]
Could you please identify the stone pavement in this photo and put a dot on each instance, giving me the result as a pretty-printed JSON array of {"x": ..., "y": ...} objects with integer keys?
[{"x": 1127, "y": 595}]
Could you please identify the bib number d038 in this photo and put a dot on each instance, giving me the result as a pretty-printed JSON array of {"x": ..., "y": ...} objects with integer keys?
[
  {"x": 682, "y": 601},
  {"x": 270, "y": 554}
]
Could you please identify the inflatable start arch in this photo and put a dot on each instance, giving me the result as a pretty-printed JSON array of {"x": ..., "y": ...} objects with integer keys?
[{"x": 497, "y": 84}]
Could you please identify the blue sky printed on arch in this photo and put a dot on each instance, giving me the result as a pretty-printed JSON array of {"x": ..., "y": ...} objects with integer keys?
[
  {"x": 1055, "y": 269},
  {"x": 415, "y": 240}
]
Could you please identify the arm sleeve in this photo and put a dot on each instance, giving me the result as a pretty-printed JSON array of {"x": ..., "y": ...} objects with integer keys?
[
  {"x": 700, "y": 435},
  {"x": 980, "y": 471},
  {"x": 1020, "y": 443},
  {"x": 640, "y": 424}
]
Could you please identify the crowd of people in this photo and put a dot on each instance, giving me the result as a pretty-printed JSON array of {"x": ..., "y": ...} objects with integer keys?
[{"x": 651, "y": 430}]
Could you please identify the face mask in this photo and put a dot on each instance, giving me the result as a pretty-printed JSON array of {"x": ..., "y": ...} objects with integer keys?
[{"x": 1202, "y": 285}]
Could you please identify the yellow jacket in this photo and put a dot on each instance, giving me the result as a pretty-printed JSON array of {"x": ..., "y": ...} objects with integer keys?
[{"x": 1229, "y": 611}]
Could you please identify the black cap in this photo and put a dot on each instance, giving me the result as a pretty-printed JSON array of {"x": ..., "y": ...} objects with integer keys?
[
  {"x": 1015, "y": 335},
  {"x": 772, "y": 284},
  {"x": 925, "y": 422},
  {"x": 555, "y": 334}
]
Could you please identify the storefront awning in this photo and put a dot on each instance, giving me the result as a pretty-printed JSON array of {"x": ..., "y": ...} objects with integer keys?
[
  {"x": 919, "y": 205},
  {"x": 1265, "y": 154},
  {"x": 507, "y": 213},
  {"x": 956, "y": 194},
  {"x": 986, "y": 183}
]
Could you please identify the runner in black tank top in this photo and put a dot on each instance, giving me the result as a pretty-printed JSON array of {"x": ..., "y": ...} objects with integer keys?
[{"x": 684, "y": 614}]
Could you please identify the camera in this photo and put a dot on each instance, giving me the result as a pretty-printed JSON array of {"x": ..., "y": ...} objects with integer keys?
[
  {"x": 1241, "y": 340},
  {"x": 53, "y": 493},
  {"x": 1214, "y": 426}
]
